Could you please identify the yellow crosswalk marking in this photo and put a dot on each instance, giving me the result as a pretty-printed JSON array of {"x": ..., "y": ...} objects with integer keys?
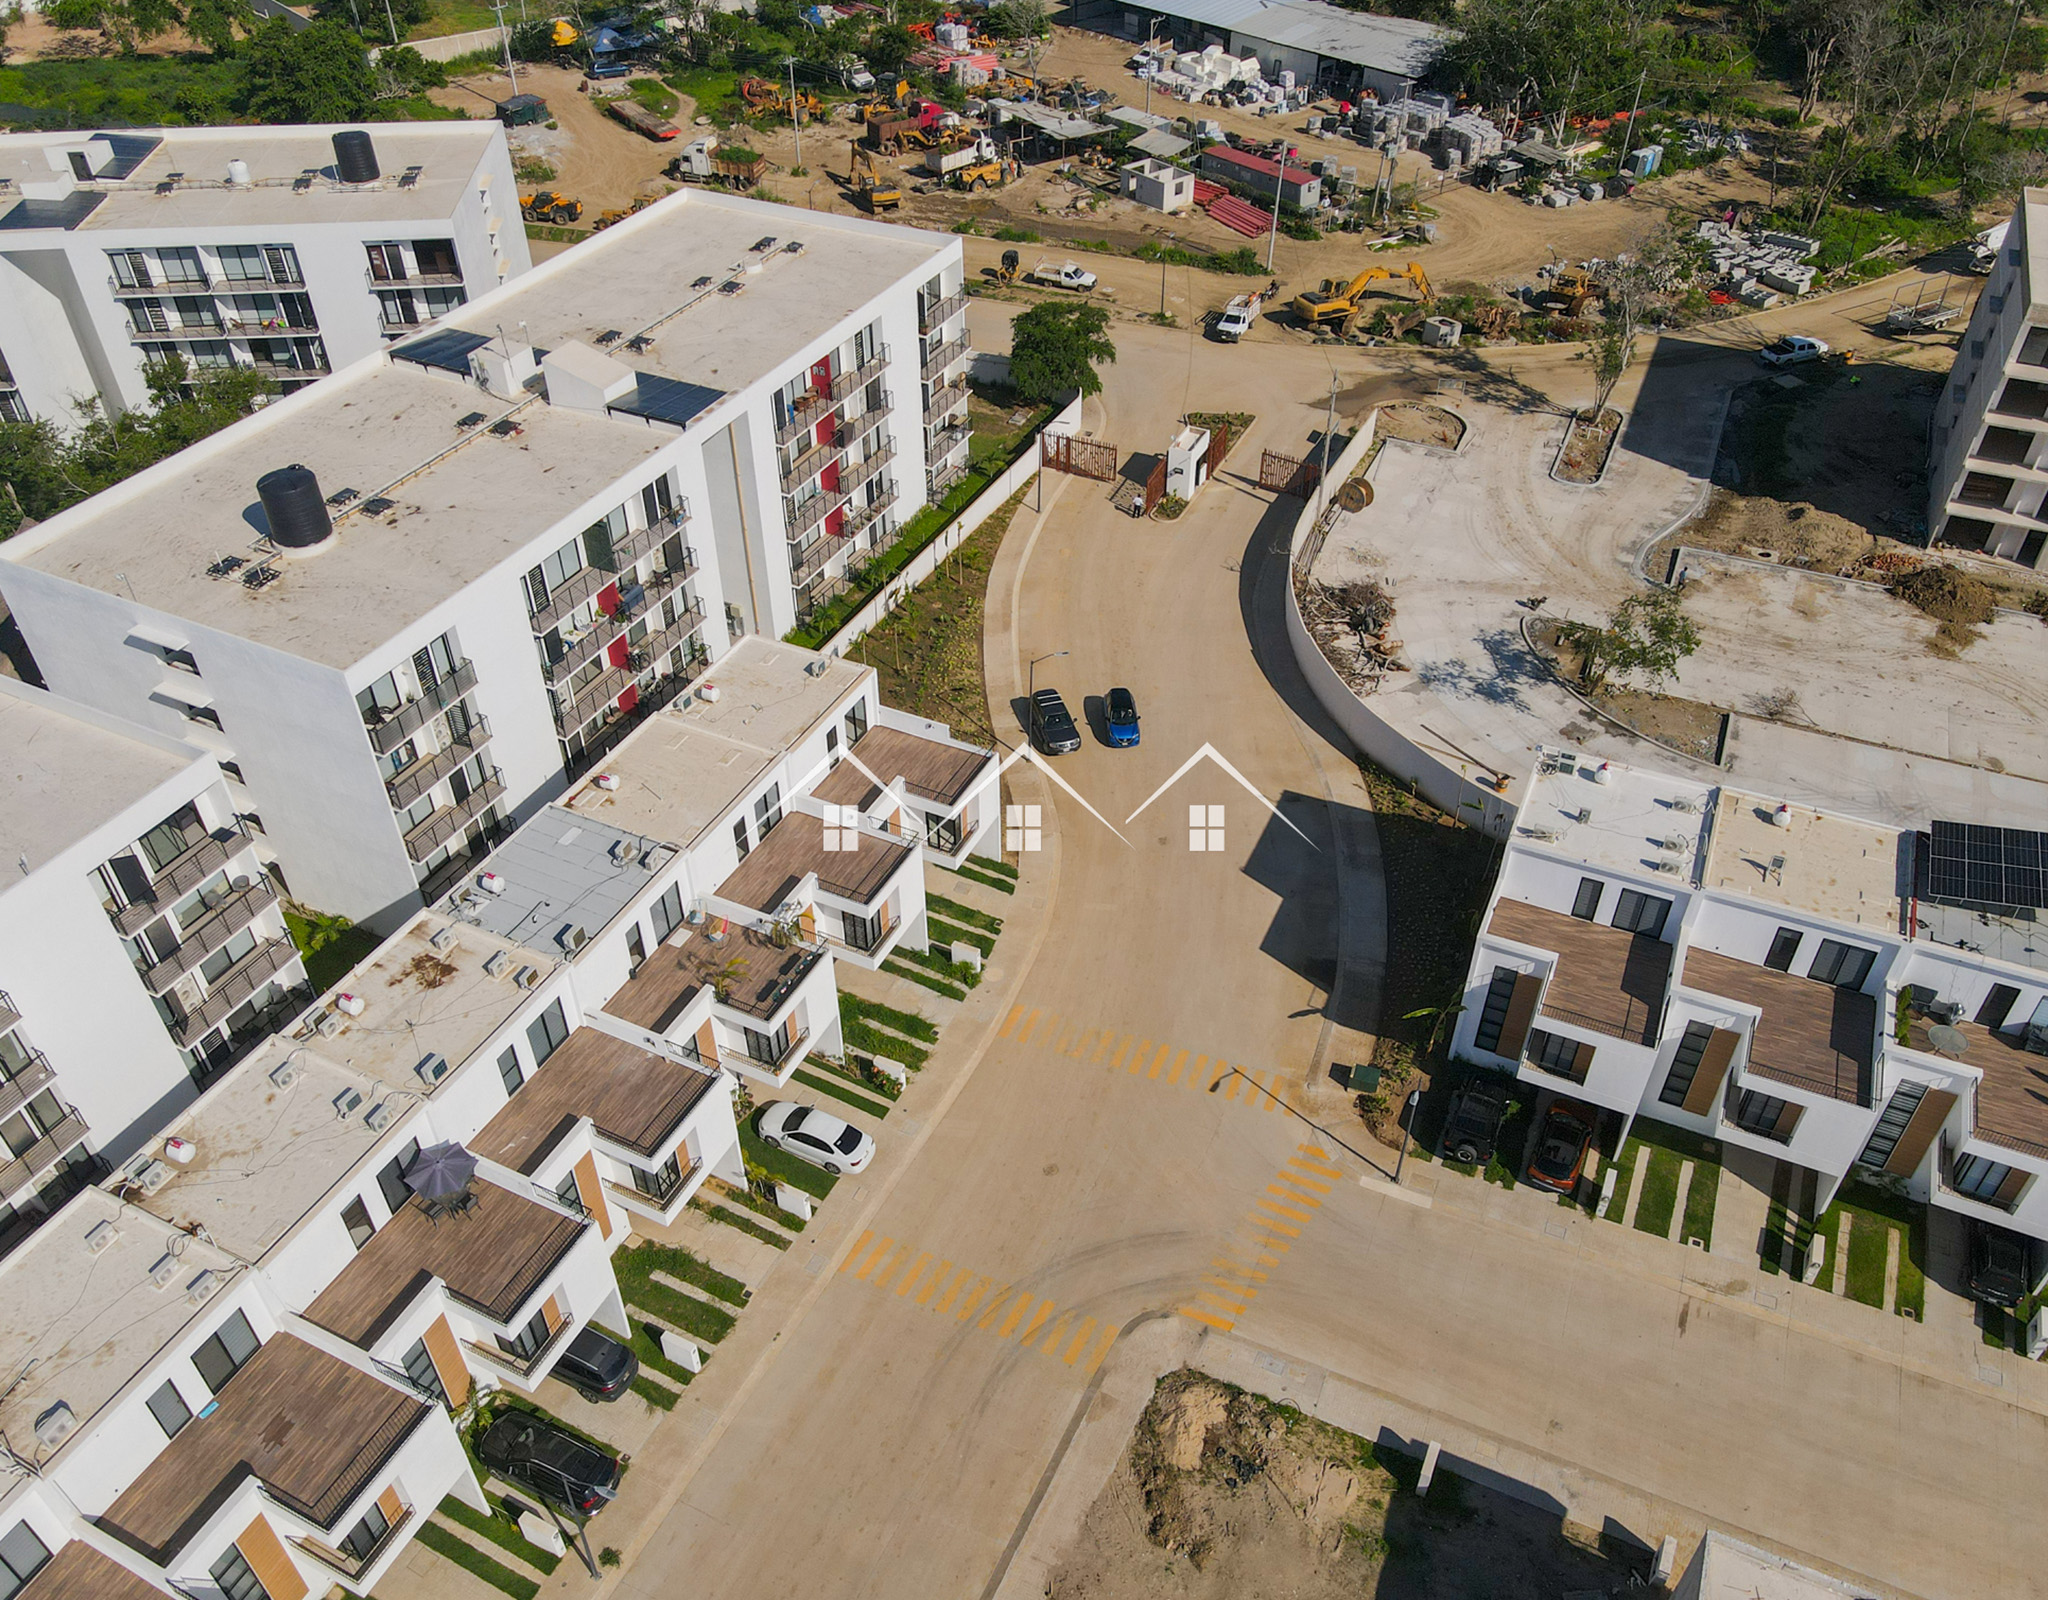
[
  {"x": 910, "y": 1278},
  {"x": 1315, "y": 1150},
  {"x": 1203, "y": 1316},
  {"x": 853, "y": 1255},
  {"x": 1101, "y": 1350},
  {"x": 1173, "y": 1072},
  {"x": 1037, "y": 1321},
  {"x": 1158, "y": 1061},
  {"x": 1311, "y": 1166},
  {"x": 924, "y": 1295},
  {"x": 1010, "y": 1022},
  {"x": 1315, "y": 1185},
  {"x": 1242, "y": 1291},
  {"x": 1228, "y": 1307},
  {"x": 1138, "y": 1055},
  {"x": 881, "y": 1279},
  {"x": 1117, "y": 1060},
  {"x": 874, "y": 1260},
  {"x": 1236, "y": 1083},
  {"x": 1243, "y": 1272},
  {"x": 995, "y": 1305},
  {"x": 1017, "y": 1310},
  {"x": 1081, "y": 1049},
  {"x": 1080, "y": 1343},
  {"x": 1102, "y": 1047},
  {"x": 961, "y": 1279},
  {"x": 981, "y": 1288},
  {"x": 1055, "y": 1334},
  {"x": 1276, "y": 1227},
  {"x": 1030, "y": 1022},
  {"x": 1293, "y": 1199},
  {"x": 1279, "y": 1210}
]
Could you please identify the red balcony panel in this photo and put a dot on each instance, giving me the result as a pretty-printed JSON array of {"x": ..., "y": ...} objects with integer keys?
[
  {"x": 608, "y": 599},
  {"x": 630, "y": 698}
]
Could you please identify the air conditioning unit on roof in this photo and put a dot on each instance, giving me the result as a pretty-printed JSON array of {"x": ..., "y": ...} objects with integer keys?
[{"x": 100, "y": 1237}]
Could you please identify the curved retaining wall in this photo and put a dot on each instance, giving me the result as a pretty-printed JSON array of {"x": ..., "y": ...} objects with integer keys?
[{"x": 1441, "y": 783}]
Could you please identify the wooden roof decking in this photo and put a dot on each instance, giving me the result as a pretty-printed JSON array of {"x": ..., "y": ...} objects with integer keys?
[
  {"x": 2012, "y": 1101},
  {"x": 1812, "y": 1035},
  {"x": 491, "y": 1257},
  {"x": 929, "y": 770},
  {"x": 669, "y": 978},
  {"x": 315, "y": 1430},
  {"x": 635, "y": 1099},
  {"x": 796, "y": 846},
  {"x": 1606, "y": 979},
  {"x": 79, "y": 1572}
]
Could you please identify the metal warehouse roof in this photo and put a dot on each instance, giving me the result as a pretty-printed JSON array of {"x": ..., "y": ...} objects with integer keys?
[{"x": 1386, "y": 44}]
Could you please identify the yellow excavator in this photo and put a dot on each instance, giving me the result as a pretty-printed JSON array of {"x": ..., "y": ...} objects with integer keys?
[
  {"x": 870, "y": 187},
  {"x": 562, "y": 32},
  {"x": 1336, "y": 302}
]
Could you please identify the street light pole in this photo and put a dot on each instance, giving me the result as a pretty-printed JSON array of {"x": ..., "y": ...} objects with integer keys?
[
  {"x": 1031, "y": 686},
  {"x": 1407, "y": 1133}
]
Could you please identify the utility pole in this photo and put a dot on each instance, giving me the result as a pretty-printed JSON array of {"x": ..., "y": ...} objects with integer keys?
[
  {"x": 1564, "y": 114},
  {"x": 504, "y": 39},
  {"x": 1329, "y": 425},
  {"x": 1279, "y": 184},
  {"x": 1629, "y": 133},
  {"x": 1407, "y": 1133},
  {"x": 795, "y": 113}
]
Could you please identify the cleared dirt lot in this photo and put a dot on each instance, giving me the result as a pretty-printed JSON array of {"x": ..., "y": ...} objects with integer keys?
[{"x": 599, "y": 161}]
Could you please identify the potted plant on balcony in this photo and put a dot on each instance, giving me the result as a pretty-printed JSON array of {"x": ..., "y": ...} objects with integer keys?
[{"x": 726, "y": 978}]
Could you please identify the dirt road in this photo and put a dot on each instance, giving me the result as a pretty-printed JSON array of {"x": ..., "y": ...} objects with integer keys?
[{"x": 598, "y": 161}]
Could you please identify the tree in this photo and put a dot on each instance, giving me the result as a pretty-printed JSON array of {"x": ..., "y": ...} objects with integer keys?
[
  {"x": 889, "y": 48},
  {"x": 1054, "y": 348},
  {"x": 1020, "y": 19},
  {"x": 1647, "y": 633},
  {"x": 321, "y": 74},
  {"x": 369, "y": 17}
]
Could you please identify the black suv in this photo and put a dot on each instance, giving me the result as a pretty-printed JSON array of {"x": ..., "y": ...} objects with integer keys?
[
  {"x": 1052, "y": 725},
  {"x": 530, "y": 1450},
  {"x": 2001, "y": 1266},
  {"x": 597, "y": 1366},
  {"x": 1473, "y": 1128}
]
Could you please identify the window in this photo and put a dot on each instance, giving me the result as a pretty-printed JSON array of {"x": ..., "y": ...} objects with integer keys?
[
  {"x": 857, "y": 720},
  {"x": 419, "y": 1366},
  {"x": 636, "y": 949},
  {"x": 660, "y": 1183},
  {"x": 832, "y": 745},
  {"x": 668, "y": 912},
  {"x": 739, "y": 836},
  {"x": 768, "y": 810},
  {"x": 1641, "y": 913},
  {"x": 658, "y": 499},
  {"x": 22, "y": 1556},
  {"x": 1891, "y": 1126},
  {"x": 944, "y": 834},
  {"x": 1997, "y": 1006},
  {"x": 1586, "y": 903},
  {"x": 206, "y": 715},
  {"x": 529, "y": 1341},
  {"x": 862, "y": 933},
  {"x": 235, "y": 1578},
  {"x": 1843, "y": 965},
  {"x": 568, "y": 1193},
  {"x": 170, "y": 1410},
  {"x": 181, "y": 265},
  {"x": 171, "y": 838},
  {"x": 223, "y": 1355},
  {"x": 355, "y": 1216},
  {"x": 546, "y": 1033},
  {"x": 361, "y": 1541},
  {"x": 1493, "y": 1015},
  {"x": 387, "y": 262},
  {"x": 436, "y": 258},
  {"x": 391, "y": 1179},
  {"x": 1766, "y": 1115},
  {"x": 1979, "y": 1179},
  {"x": 765, "y": 1048},
  {"x": 1784, "y": 946},
  {"x": 1685, "y": 1063},
  {"x": 1553, "y": 1052}
]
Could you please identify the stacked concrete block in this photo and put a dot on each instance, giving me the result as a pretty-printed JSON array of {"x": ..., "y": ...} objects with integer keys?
[
  {"x": 1770, "y": 262},
  {"x": 1470, "y": 138}
]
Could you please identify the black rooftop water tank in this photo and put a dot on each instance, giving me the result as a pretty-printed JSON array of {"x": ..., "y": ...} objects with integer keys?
[
  {"x": 355, "y": 157},
  {"x": 291, "y": 501}
]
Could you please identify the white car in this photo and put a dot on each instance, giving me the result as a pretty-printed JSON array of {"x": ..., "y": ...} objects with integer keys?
[
  {"x": 1792, "y": 350},
  {"x": 816, "y": 1136}
]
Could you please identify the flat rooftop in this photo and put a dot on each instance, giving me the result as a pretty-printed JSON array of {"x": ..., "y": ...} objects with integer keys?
[
  {"x": 2012, "y": 1101},
  {"x": 79, "y": 1572},
  {"x": 795, "y": 848},
  {"x": 77, "y": 1327},
  {"x": 1632, "y": 815},
  {"x": 683, "y": 769},
  {"x": 1811, "y": 1035},
  {"x": 315, "y": 1430},
  {"x": 1606, "y": 979},
  {"x": 420, "y": 1001},
  {"x": 560, "y": 872},
  {"x": 1835, "y": 866},
  {"x": 279, "y": 159},
  {"x": 492, "y": 1256},
  {"x": 760, "y": 973},
  {"x": 66, "y": 773},
  {"x": 265, "y": 1155},
  {"x": 465, "y": 500},
  {"x": 634, "y": 1098},
  {"x": 930, "y": 769}
]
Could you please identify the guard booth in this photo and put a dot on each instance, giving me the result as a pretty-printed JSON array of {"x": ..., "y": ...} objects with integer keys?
[{"x": 1187, "y": 462}]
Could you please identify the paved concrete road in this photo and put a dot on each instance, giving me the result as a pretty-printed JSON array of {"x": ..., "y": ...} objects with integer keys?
[{"x": 1101, "y": 1162}]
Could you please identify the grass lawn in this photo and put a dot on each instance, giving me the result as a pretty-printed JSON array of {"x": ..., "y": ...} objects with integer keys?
[
  {"x": 500, "y": 1529},
  {"x": 1624, "y": 1165},
  {"x": 1868, "y": 1236},
  {"x": 342, "y": 948},
  {"x": 1858, "y": 1220},
  {"x": 636, "y": 1268},
  {"x": 746, "y": 1225},
  {"x": 937, "y": 985},
  {"x": 854, "y": 1009},
  {"x": 871, "y": 1041},
  {"x": 1700, "y": 1200},
  {"x": 840, "y": 1089},
  {"x": 1659, "y": 1193},
  {"x": 446, "y": 17},
  {"x": 945, "y": 933},
  {"x": 965, "y": 915},
  {"x": 782, "y": 1166},
  {"x": 755, "y": 1204},
  {"x": 473, "y": 1561}
]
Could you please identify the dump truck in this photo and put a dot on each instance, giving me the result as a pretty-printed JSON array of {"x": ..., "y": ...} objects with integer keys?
[
  {"x": 550, "y": 205},
  {"x": 949, "y": 159},
  {"x": 1063, "y": 275},
  {"x": 704, "y": 159},
  {"x": 1336, "y": 302},
  {"x": 641, "y": 120}
]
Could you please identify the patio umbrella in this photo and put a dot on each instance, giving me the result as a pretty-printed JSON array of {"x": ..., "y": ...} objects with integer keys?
[{"x": 440, "y": 1171}]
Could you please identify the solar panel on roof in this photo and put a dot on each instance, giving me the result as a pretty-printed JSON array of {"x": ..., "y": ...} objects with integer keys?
[
  {"x": 448, "y": 350},
  {"x": 662, "y": 399},
  {"x": 1979, "y": 865}
]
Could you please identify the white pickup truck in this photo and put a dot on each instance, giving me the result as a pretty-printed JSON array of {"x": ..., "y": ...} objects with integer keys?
[
  {"x": 1236, "y": 319},
  {"x": 1063, "y": 275}
]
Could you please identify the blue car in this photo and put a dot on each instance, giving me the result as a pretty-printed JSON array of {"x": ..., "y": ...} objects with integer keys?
[{"x": 1120, "y": 711}]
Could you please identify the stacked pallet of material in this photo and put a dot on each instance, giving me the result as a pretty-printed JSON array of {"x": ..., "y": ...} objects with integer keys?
[
  {"x": 1245, "y": 218},
  {"x": 1469, "y": 138},
  {"x": 1205, "y": 191}
]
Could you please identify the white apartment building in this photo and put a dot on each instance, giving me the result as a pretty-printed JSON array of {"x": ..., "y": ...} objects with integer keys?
[
  {"x": 1770, "y": 976},
  {"x": 506, "y": 540},
  {"x": 294, "y": 250},
  {"x": 142, "y": 945},
  {"x": 1988, "y": 465}
]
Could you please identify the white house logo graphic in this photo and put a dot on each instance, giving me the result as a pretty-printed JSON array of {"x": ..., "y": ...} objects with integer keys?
[{"x": 1205, "y": 822}]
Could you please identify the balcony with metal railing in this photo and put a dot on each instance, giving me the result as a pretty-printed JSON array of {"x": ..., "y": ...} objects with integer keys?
[
  {"x": 860, "y": 376},
  {"x": 227, "y": 917},
  {"x": 813, "y": 511},
  {"x": 234, "y": 986},
  {"x": 803, "y": 563},
  {"x": 389, "y": 732},
  {"x": 202, "y": 284},
  {"x": 812, "y": 462},
  {"x": 810, "y": 409},
  {"x": 944, "y": 356},
  {"x": 184, "y": 330},
  {"x": 571, "y": 712},
  {"x": 423, "y": 839},
  {"x": 178, "y": 877},
  {"x": 44, "y": 1154},
  {"x": 865, "y": 518},
  {"x": 939, "y": 312},
  {"x": 942, "y": 401},
  {"x": 592, "y": 581},
  {"x": 422, "y": 775},
  {"x": 411, "y": 280},
  {"x": 9, "y": 1015},
  {"x": 310, "y": 368},
  {"x": 34, "y": 1076},
  {"x": 857, "y": 475},
  {"x": 659, "y": 642},
  {"x": 944, "y": 442}
]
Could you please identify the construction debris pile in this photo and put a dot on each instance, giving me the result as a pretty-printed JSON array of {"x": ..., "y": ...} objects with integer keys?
[
  {"x": 1758, "y": 268},
  {"x": 1353, "y": 625}
]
